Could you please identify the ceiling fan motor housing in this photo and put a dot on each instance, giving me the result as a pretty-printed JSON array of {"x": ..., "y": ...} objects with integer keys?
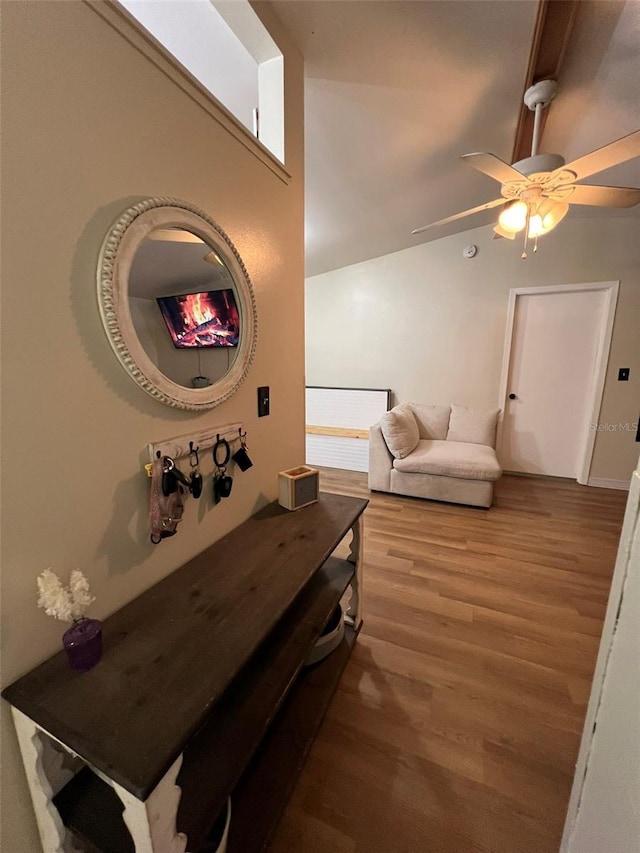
[
  {"x": 541, "y": 93},
  {"x": 539, "y": 163}
]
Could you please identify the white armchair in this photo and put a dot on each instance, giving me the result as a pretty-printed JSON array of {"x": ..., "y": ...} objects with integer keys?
[{"x": 444, "y": 453}]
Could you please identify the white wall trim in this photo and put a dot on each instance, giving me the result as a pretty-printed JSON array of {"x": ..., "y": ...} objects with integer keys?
[
  {"x": 611, "y": 289},
  {"x": 603, "y": 483}
]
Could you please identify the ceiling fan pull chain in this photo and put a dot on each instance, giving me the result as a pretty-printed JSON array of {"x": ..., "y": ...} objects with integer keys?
[{"x": 526, "y": 234}]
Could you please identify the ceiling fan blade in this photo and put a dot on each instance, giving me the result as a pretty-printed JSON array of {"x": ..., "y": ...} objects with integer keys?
[
  {"x": 604, "y": 196},
  {"x": 464, "y": 213},
  {"x": 494, "y": 167},
  {"x": 603, "y": 158}
]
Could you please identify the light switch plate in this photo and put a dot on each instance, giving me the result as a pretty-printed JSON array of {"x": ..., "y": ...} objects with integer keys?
[{"x": 263, "y": 401}]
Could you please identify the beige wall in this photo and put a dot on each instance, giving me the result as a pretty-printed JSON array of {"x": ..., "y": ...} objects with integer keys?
[
  {"x": 430, "y": 324},
  {"x": 88, "y": 125}
]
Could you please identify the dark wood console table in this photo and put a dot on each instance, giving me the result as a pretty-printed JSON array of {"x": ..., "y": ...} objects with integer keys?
[{"x": 200, "y": 693}]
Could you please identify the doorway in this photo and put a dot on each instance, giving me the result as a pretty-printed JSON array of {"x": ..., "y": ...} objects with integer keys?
[{"x": 555, "y": 359}]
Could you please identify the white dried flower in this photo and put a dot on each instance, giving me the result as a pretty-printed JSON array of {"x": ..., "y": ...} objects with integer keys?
[
  {"x": 53, "y": 597},
  {"x": 81, "y": 598},
  {"x": 64, "y": 603}
]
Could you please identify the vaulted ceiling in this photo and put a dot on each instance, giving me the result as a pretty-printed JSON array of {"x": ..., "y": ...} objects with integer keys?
[{"x": 396, "y": 91}]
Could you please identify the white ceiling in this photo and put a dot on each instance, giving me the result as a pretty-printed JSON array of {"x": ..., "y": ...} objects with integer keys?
[
  {"x": 599, "y": 95},
  {"x": 165, "y": 267},
  {"x": 396, "y": 91}
]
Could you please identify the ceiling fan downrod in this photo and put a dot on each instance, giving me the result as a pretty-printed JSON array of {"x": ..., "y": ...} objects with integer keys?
[
  {"x": 537, "y": 98},
  {"x": 536, "y": 129}
]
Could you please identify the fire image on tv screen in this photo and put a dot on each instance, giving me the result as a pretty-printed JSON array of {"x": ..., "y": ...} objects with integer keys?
[{"x": 208, "y": 319}]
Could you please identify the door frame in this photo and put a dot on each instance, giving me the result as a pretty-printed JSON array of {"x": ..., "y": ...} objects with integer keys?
[
  {"x": 629, "y": 538},
  {"x": 611, "y": 289}
]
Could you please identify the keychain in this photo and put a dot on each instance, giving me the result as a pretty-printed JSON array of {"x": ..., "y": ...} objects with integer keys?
[
  {"x": 195, "y": 483},
  {"x": 165, "y": 500},
  {"x": 169, "y": 480},
  {"x": 172, "y": 476},
  {"x": 241, "y": 457},
  {"x": 222, "y": 482}
]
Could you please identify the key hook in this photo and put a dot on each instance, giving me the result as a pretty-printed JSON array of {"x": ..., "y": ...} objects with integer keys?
[
  {"x": 193, "y": 454},
  {"x": 224, "y": 444}
]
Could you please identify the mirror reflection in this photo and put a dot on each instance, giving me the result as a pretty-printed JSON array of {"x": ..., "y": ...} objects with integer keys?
[{"x": 184, "y": 307}]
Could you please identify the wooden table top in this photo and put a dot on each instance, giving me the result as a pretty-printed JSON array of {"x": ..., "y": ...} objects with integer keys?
[{"x": 171, "y": 653}]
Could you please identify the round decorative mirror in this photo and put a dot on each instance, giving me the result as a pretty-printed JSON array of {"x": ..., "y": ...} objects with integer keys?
[{"x": 177, "y": 303}]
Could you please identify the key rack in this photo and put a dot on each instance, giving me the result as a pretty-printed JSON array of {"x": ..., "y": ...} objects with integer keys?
[{"x": 203, "y": 439}]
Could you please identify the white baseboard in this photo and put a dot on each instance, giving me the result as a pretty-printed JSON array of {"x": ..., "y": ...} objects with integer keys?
[{"x": 601, "y": 483}]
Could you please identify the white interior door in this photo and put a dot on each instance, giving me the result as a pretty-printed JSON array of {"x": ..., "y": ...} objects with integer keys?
[{"x": 555, "y": 359}]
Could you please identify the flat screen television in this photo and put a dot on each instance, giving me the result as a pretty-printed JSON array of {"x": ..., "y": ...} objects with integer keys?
[{"x": 206, "y": 319}]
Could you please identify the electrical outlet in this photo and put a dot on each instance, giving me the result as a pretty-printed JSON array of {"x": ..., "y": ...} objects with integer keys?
[{"x": 263, "y": 401}]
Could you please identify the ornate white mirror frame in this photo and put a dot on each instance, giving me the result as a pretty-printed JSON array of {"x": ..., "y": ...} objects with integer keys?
[{"x": 114, "y": 267}]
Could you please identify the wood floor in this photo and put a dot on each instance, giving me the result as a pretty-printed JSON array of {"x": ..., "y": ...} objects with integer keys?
[{"x": 457, "y": 722}]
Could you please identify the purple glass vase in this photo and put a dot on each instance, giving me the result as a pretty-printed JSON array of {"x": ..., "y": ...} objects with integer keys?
[{"x": 83, "y": 643}]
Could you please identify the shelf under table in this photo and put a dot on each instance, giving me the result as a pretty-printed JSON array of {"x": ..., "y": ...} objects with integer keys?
[
  {"x": 214, "y": 758},
  {"x": 263, "y": 792}
]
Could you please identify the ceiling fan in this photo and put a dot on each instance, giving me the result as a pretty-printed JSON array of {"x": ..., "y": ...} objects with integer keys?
[{"x": 536, "y": 192}]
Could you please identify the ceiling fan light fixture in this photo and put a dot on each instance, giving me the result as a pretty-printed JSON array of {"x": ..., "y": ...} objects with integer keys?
[
  {"x": 514, "y": 217},
  {"x": 547, "y": 215},
  {"x": 499, "y": 231},
  {"x": 552, "y": 212},
  {"x": 536, "y": 226}
]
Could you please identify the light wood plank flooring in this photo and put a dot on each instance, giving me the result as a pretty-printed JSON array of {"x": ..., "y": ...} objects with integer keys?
[{"x": 457, "y": 722}]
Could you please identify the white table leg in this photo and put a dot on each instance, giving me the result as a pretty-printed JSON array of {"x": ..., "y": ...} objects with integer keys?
[
  {"x": 152, "y": 823},
  {"x": 354, "y": 613},
  {"x": 53, "y": 834}
]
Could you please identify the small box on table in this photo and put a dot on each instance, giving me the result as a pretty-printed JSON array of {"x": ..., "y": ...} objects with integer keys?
[{"x": 298, "y": 487}]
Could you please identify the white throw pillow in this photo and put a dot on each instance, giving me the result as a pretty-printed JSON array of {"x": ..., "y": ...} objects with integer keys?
[
  {"x": 475, "y": 426},
  {"x": 400, "y": 431}
]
